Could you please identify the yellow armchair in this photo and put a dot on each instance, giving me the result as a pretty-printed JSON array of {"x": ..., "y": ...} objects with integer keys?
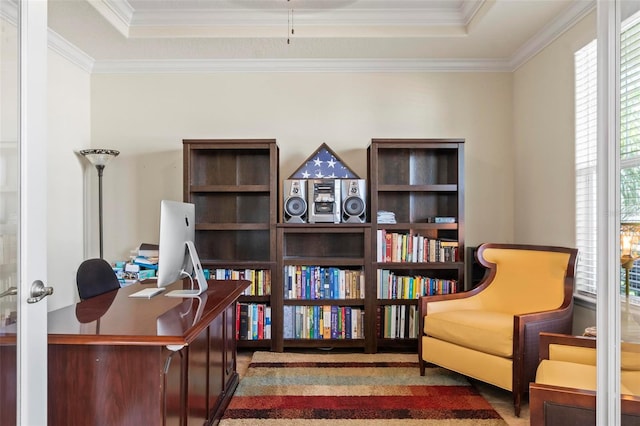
[
  {"x": 490, "y": 333},
  {"x": 564, "y": 391}
]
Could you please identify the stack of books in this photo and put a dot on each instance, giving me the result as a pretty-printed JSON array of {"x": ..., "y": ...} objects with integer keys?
[
  {"x": 386, "y": 217},
  {"x": 142, "y": 265}
]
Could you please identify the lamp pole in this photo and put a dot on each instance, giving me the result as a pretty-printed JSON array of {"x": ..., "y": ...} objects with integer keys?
[
  {"x": 100, "y": 169},
  {"x": 99, "y": 158}
]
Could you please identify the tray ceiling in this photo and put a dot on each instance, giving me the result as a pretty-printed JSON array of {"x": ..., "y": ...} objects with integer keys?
[{"x": 327, "y": 34}]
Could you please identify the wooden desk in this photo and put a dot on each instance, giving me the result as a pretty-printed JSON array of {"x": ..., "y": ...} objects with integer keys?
[{"x": 116, "y": 360}]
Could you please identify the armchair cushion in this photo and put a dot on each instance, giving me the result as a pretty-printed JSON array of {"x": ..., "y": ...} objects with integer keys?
[
  {"x": 526, "y": 280},
  {"x": 485, "y": 331},
  {"x": 630, "y": 382},
  {"x": 566, "y": 374},
  {"x": 572, "y": 354}
]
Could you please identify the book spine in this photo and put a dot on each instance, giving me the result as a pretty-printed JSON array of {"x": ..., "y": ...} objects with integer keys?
[{"x": 267, "y": 322}]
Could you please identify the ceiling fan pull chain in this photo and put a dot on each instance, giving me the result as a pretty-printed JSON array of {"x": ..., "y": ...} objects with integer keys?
[{"x": 290, "y": 29}]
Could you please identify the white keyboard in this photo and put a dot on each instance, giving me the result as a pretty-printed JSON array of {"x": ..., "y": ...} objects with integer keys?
[{"x": 147, "y": 293}]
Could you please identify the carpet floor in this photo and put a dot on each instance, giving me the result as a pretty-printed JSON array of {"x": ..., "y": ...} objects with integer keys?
[{"x": 353, "y": 389}]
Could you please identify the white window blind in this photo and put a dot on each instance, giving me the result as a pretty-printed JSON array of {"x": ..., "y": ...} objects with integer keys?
[
  {"x": 630, "y": 124},
  {"x": 586, "y": 146}
]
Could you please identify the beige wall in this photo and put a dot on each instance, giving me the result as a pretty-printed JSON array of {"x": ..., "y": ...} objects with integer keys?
[
  {"x": 518, "y": 129},
  {"x": 147, "y": 116},
  {"x": 543, "y": 117},
  {"x": 544, "y": 148},
  {"x": 68, "y": 130}
]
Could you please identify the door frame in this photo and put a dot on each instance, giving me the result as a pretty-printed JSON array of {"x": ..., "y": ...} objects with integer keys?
[{"x": 32, "y": 223}]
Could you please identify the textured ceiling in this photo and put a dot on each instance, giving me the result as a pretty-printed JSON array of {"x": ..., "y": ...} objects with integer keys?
[{"x": 135, "y": 31}]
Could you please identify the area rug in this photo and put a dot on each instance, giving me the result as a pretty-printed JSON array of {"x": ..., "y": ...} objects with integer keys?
[{"x": 353, "y": 389}]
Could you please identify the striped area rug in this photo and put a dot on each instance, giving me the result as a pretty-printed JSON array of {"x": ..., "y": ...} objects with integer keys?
[{"x": 353, "y": 389}]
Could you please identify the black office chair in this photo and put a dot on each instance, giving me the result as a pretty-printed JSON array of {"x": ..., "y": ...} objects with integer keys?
[{"x": 95, "y": 277}]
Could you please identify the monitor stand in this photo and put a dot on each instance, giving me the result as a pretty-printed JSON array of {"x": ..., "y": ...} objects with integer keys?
[{"x": 199, "y": 275}]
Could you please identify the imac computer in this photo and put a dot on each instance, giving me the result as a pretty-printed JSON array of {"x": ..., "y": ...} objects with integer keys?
[{"x": 177, "y": 255}]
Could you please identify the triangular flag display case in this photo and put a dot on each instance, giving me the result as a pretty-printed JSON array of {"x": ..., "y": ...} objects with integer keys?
[{"x": 324, "y": 163}]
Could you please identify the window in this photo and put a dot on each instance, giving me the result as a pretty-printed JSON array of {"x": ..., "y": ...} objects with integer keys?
[{"x": 586, "y": 146}]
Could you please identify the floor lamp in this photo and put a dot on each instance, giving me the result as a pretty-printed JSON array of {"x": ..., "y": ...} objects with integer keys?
[{"x": 99, "y": 158}]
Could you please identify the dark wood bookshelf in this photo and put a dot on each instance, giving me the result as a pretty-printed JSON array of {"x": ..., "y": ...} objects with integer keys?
[
  {"x": 345, "y": 246},
  {"x": 416, "y": 179},
  {"x": 234, "y": 186}
]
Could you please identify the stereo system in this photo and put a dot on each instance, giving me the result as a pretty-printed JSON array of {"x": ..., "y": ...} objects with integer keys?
[{"x": 324, "y": 201}]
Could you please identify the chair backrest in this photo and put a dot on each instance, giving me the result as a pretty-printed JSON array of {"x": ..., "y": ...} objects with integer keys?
[
  {"x": 95, "y": 277},
  {"x": 525, "y": 278}
]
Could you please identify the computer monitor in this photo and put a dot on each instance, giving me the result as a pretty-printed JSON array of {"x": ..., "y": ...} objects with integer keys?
[{"x": 177, "y": 255}]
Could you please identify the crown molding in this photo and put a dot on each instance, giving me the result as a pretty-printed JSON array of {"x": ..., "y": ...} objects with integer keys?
[
  {"x": 469, "y": 9},
  {"x": 9, "y": 11},
  {"x": 574, "y": 13},
  {"x": 302, "y": 65},
  {"x": 132, "y": 23},
  {"x": 70, "y": 52},
  {"x": 118, "y": 13}
]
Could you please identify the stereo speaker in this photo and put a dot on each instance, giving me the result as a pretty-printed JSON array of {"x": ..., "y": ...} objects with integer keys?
[
  {"x": 294, "y": 200},
  {"x": 354, "y": 206}
]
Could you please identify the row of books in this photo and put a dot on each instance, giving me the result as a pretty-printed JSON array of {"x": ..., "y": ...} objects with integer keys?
[
  {"x": 320, "y": 282},
  {"x": 397, "y": 321},
  {"x": 410, "y": 247},
  {"x": 253, "y": 321},
  {"x": 260, "y": 279},
  {"x": 323, "y": 322},
  {"x": 392, "y": 286}
]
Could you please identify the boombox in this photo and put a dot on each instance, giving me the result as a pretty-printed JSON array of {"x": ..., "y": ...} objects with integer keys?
[
  {"x": 354, "y": 206},
  {"x": 324, "y": 200},
  {"x": 295, "y": 201}
]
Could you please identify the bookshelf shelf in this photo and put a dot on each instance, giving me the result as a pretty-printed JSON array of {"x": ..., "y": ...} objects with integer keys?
[
  {"x": 418, "y": 188},
  {"x": 418, "y": 180},
  {"x": 230, "y": 188},
  {"x": 233, "y": 183},
  {"x": 231, "y": 226},
  {"x": 326, "y": 343}
]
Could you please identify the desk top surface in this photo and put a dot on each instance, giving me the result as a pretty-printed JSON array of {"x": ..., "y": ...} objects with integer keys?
[{"x": 115, "y": 318}]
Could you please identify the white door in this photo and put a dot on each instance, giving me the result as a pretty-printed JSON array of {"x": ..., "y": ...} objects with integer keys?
[{"x": 23, "y": 308}]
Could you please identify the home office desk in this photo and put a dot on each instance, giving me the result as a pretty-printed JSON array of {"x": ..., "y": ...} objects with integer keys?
[{"x": 116, "y": 360}]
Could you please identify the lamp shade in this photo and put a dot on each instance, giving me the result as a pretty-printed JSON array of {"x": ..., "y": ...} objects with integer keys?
[
  {"x": 99, "y": 157},
  {"x": 629, "y": 238}
]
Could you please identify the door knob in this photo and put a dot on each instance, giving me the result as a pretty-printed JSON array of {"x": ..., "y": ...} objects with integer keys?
[
  {"x": 11, "y": 291},
  {"x": 39, "y": 291}
]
